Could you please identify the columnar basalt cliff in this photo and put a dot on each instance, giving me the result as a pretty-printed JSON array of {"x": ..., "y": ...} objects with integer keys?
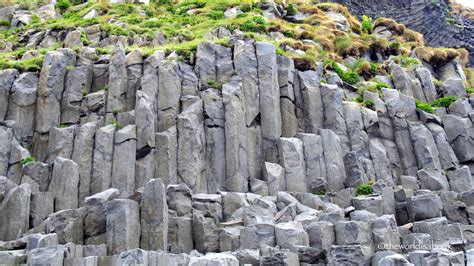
[{"x": 237, "y": 154}]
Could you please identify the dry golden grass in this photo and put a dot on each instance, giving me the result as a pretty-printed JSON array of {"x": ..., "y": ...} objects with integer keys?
[
  {"x": 413, "y": 36},
  {"x": 436, "y": 56},
  {"x": 390, "y": 24},
  {"x": 463, "y": 56},
  {"x": 460, "y": 9},
  {"x": 380, "y": 45}
]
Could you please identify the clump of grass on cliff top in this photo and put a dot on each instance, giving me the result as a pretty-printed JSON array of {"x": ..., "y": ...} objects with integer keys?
[
  {"x": 436, "y": 56},
  {"x": 390, "y": 24}
]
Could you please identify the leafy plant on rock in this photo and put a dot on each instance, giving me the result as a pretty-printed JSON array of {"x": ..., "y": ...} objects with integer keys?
[{"x": 364, "y": 190}]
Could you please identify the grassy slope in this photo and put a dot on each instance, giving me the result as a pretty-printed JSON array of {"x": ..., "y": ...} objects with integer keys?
[{"x": 190, "y": 20}]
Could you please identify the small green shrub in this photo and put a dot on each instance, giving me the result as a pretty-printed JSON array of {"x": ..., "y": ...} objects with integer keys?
[
  {"x": 214, "y": 84},
  {"x": 364, "y": 190},
  {"x": 369, "y": 103},
  {"x": 84, "y": 38},
  {"x": 438, "y": 83},
  {"x": 395, "y": 45},
  {"x": 469, "y": 90},
  {"x": 63, "y": 5},
  {"x": 152, "y": 23},
  {"x": 100, "y": 50},
  {"x": 374, "y": 68},
  {"x": 321, "y": 193},
  {"x": 408, "y": 62},
  {"x": 254, "y": 24},
  {"x": 116, "y": 30},
  {"x": 35, "y": 18},
  {"x": 116, "y": 124},
  {"x": 248, "y": 8},
  {"x": 359, "y": 99},
  {"x": 291, "y": 10},
  {"x": 28, "y": 159},
  {"x": 134, "y": 19},
  {"x": 444, "y": 101},
  {"x": 367, "y": 24},
  {"x": 381, "y": 85},
  {"x": 162, "y": 2},
  {"x": 4, "y": 23},
  {"x": 216, "y": 14},
  {"x": 350, "y": 76},
  {"x": 424, "y": 106},
  {"x": 289, "y": 34}
]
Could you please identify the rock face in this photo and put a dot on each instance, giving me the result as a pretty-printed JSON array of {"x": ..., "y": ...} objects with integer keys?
[
  {"x": 235, "y": 158},
  {"x": 422, "y": 17}
]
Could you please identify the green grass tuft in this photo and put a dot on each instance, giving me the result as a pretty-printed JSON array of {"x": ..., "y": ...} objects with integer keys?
[
  {"x": 424, "y": 106},
  {"x": 28, "y": 159},
  {"x": 350, "y": 76},
  {"x": 364, "y": 190},
  {"x": 444, "y": 101}
]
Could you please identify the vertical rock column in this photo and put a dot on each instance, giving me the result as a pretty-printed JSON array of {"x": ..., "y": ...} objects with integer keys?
[
  {"x": 123, "y": 169},
  {"x": 82, "y": 155},
  {"x": 61, "y": 143},
  {"x": 292, "y": 159},
  {"x": 246, "y": 67},
  {"x": 15, "y": 167},
  {"x": 167, "y": 156},
  {"x": 6, "y": 135},
  {"x": 333, "y": 157},
  {"x": 213, "y": 63},
  {"x": 103, "y": 158},
  {"x": 134, "y": 63},
  {"x": 424, "y": 146},
  {"x": 313, "y": 111},
  {"x": 286, "y": 75},
  {"x": 358, "y": 140},
  {"x": 117, "y": 84},
  {"x": 65, "y": 184},
  {"x": 123, "y": 225},
  {"x": 237, "y": 176},
  {"x": 215, "y": 139},
  {"x": 400, "y": 129},
  {"x": 270, "y": 113},
  {"x": 331, "y": 96},
  {"x": 7, "y": 77},
  {"x": 78, "y": 83},
  {"x": 169, "y": 92},
  {"x": 314, "y": 157},
  {"x": 48, "y": 105},
  {"x": 15, "y": 213},
  {"x": 154, "y": 217},
  {"x": 192, "y": 145},
  {"x": 145, "y": 122},
  {"x": 22, "y": 105}
]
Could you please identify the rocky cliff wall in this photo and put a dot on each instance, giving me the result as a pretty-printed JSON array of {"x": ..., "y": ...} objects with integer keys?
[
  {"x": 432, "y": 18},
  {"x": 238, "y": 156}
]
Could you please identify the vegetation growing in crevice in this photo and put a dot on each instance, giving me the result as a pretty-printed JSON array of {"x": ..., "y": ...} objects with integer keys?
[
  {"x": 424, "y": 106},
  {"x": 28, "y": 159},
  {"x": 445, "y": 101},
  {"x": 349, "y": 76}
]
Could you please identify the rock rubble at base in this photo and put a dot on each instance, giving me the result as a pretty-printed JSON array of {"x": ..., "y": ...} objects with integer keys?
[{"x": 164, "y": 169}]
